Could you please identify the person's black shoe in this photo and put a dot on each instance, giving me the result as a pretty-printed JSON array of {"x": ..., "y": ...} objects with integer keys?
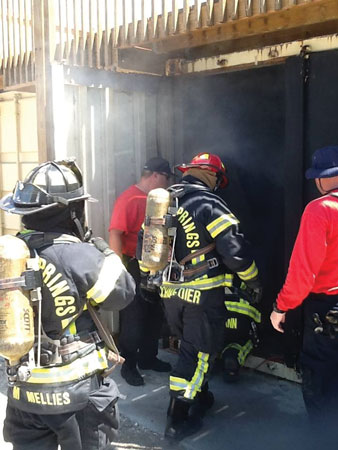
[
  {"x": 157, "y": 365},
  {"x": 131, "y": 375}
]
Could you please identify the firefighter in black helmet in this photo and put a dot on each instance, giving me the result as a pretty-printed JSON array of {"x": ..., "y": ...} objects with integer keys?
[
  {"x": 209, "y": 250},
  {"x": 65, "y": 399}
]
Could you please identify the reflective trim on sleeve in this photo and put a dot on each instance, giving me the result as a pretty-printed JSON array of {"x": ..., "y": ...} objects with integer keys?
[
  {"x": 243, "y": 307},
  {"x": 221, "y": 223},
  {"x": 204, "y": 283},
  {"x": 109, "y": 274},
  {"x": 243, "y": 351},
  {"x": 249, "y": 273},
  {"x": 177, "y": 384},
  {"x": 197, "y": 380},
  {"x": 80, "y": 368}
]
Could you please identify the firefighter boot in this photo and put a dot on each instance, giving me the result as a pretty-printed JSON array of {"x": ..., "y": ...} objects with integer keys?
[
  {"x": 204, "y": 401},
  {"x": 231, "y": 366},
  {"x": 131, "y": 375},
  {"x": 179, "y": 423}
]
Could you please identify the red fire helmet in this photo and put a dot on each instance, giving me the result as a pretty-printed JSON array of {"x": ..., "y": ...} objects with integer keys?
[{"x": 207, "y": 161}]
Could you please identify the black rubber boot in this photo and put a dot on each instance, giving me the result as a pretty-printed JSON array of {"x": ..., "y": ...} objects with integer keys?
[
  {"x": 179, "y": 423},
  {"x": 131, "y": 375},
  {"x": 231, "y": 367},
  {"x": 157, "y": 365},
  {"x": 204, "y": 401}
]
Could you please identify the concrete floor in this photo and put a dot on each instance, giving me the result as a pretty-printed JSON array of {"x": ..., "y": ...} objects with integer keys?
[{"x": 258, "y": 412}]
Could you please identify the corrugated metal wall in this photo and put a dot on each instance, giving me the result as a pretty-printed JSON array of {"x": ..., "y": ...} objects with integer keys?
[
  {"x": 111, "y": 132},
  {"x": 18, "y": 147}
]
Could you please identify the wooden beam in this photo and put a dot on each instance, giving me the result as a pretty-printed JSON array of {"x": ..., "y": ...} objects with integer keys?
[
  {"x": 24, "y": 87},
  {"x": 139, "y": 60},
  {"x": 299, "y": 16},
  {"x": 44, "y": 26},
  {"x": 258, "y": 41}
]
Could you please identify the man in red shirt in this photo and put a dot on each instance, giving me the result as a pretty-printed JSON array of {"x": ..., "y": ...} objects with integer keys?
[
  {"x": 141, "y": 321},
  {"x": 313, "y": 279}
]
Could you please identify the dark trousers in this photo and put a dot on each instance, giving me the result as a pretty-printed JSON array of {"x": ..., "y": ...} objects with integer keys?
[
  {"x": 140, "y": 324},
  {"x": 91, "y": 428},
  {"x": 200, "y": 328},
  {"x": 319, "y": 363}
]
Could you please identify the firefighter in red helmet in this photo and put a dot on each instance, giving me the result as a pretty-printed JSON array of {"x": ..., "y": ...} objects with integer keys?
[{"x": 209, "y": 249}]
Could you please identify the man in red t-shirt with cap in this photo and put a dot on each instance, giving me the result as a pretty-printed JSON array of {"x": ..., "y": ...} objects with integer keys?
[{"x": 141, "y": 321}]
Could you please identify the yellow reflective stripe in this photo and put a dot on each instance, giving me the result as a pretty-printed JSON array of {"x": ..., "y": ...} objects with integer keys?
[
  {"x": 196, "y": 382},
  {"x": 80, "y": 368},
  {"x": 143, "y": 267},
  {"x": 233, "y": 345},
  {"x": 177, "y": 384},
  {"x": 198, "y": 259},
  {"x": 72, "y": 328},
  {"x": 243, "y": 350},
  {"x": 249, "y": 273},
  {"x": 244, "y": 307},
  {"x": 204, "y": 283},
  {"x": 221, "y": 223},
  {"x": 111, "y": 270}
]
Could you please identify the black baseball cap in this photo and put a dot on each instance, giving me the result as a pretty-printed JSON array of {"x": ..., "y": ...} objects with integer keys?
[{"x": 159, "y": 165}]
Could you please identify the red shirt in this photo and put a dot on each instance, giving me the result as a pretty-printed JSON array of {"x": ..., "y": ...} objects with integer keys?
[
  {"x": 128, "y": 216},
  {"x": 314, "y": 261}
]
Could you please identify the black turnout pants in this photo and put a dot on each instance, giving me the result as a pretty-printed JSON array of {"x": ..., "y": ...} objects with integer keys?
[
  {"x": 91, "y": 428},
  {"x": 319, "y": 362},
  {"x": 140, "y": 324},
  {"x": 200, "y": 328}
]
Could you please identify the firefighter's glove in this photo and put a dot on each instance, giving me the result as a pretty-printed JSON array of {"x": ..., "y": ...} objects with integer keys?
[{"x": 254, "y": 291}]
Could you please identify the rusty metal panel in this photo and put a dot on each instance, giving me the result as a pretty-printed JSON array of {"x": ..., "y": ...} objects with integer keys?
[{"x": 18, "y": 147}]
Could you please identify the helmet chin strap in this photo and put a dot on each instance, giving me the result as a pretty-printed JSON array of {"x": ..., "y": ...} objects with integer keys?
[
  {"x": 218, "y": 181},
  {"x": 77, "y": 223}
]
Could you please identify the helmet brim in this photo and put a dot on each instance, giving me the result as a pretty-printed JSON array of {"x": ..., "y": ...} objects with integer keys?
[{"x": 7, "y": 204}]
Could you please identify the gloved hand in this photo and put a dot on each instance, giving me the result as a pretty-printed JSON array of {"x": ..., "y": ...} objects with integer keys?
[{"x": 254, "y": 290}]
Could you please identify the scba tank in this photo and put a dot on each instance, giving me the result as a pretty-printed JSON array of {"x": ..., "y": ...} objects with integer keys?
[
  {"x": 16, "y": 313},
  {"x": 155, "y": 249}
]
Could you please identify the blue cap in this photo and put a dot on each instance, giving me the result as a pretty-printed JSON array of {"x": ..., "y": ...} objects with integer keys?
[{"x": 324, "y": 163}]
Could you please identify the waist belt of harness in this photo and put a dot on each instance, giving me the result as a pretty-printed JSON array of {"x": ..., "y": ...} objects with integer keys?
[
  {"x": 199, "y": 269},
  {"x": 59, "y": 398}
]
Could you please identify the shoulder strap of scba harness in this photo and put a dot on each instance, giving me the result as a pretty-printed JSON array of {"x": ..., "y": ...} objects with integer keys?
[
  {"x": 36, "y": 240},
  {"x": 178, "y": 191},
  {"x": 181, "y": 189}
]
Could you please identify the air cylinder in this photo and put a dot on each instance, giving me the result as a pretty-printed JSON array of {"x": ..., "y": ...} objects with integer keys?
[
  {"x": 16, "y": 313},
  {"x": 155, "y": 249}
]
